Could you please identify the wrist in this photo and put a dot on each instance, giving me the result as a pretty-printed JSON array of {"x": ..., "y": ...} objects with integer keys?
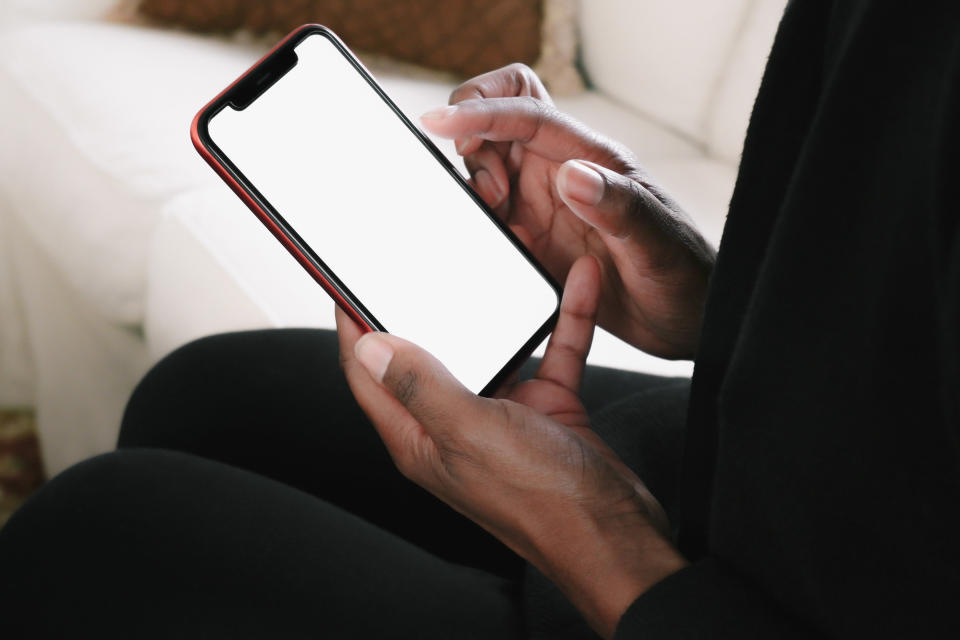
[{"x": 603, "y": 564}]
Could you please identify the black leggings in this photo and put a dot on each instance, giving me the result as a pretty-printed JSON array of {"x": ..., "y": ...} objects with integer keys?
[{"x": 250, "y": 497}]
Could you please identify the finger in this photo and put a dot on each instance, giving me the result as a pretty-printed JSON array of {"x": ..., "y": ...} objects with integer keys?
[
  {"x": 488, "y": 171},
  {"x": 401, "y": 433},
  {"x": 507, "y": 386},
  {"x": 536, "y": 124},
  {"x": 523, "y": 235},
  {"x": 512, "y": 80},
  {"x": 625, "y": 210},
  {"x": 566, "y": 353},
  {"x": 468, "y": 145},
  {"x": 348, "y": 332},
  {"x": 422, "y": 386}
]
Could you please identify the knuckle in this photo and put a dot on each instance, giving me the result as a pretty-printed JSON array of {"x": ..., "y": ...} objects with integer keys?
[
  {"x": 521, "y": 76},
  {"x": 523, "y": 79},
  {"x": 540, "y": 112},
  {"x": 412, "y": 388},
  {"x": 636, "y": 202},
  {"x": 569, "y": 349},
  {"x": 635, "y": 192},
  {"x": 460, "y": 93}
]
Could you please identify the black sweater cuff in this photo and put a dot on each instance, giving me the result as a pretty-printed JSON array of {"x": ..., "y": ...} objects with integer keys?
[{"x": 705, "y": 601}]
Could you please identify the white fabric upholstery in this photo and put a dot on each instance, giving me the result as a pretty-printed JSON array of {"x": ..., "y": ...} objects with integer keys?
[
  {"x": 112, "y": 132},
  {"x": 85, "y": 366},
  {"x": 16, "y": 365},
  {"x": 728, "y": 116},
  {"x": 661, "y": 58}
]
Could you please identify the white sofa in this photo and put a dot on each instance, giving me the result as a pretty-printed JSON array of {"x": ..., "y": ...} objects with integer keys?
[{"x": 118, "y": 244}]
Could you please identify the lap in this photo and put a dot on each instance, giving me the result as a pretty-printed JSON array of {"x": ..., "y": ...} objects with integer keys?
[
  {"x": 275, "y": 403},
  {"x": 223, "y": 535},
  {"x": 152, "y": 543}
]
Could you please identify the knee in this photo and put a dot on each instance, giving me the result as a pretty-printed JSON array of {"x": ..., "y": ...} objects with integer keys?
[
  {"x": 80, "y": 542},
  {"x": 71, "y": 513},
  {"x": 218, "y": 377}
]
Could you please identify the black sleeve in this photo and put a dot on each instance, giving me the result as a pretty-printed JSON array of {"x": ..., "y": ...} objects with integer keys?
[{"x": 705, "y": 600}]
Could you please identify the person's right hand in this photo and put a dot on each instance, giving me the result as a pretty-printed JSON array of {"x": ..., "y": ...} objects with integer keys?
[{"x": 567, "y": 191}]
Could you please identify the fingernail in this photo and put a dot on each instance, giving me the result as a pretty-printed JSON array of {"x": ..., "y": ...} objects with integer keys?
[
  {"x": 374, "y": 353},
  {"x": 461, "y": 144},
  {"x": 486, "y": 182},
  {"x": 439, "y": 113},
  {"x": 581, "y": 182}
]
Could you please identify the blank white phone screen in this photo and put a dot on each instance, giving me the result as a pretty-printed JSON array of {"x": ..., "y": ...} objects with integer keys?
[{"x": 374, "y": 204}]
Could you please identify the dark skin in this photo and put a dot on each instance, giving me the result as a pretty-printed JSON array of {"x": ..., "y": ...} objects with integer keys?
[
  {"x": 535, "y": 167},
  {"x": 525, "y": 465}
]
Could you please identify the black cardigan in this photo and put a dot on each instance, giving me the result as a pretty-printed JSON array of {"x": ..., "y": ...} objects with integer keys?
[{"x": 821, "y": 479}]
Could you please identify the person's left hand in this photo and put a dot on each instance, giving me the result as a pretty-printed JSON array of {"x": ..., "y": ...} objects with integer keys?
[{"x": 525, "y": 465}]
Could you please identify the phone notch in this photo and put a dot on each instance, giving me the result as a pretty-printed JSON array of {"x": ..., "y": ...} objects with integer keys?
[{"x": 262, "y": 78}]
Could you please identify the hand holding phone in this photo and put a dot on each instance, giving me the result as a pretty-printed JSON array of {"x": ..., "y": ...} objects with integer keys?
[
  {"x": 569, "y": 191},
  {"x": 374, "y": 212}
]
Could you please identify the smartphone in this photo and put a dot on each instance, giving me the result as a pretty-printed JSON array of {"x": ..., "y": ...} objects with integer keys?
[{"x": 375, "y": 213}]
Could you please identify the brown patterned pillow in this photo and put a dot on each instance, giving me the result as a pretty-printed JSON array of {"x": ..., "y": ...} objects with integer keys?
[{"x": 466, "y": 37}]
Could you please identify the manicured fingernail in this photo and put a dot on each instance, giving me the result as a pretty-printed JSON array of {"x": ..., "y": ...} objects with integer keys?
[
  {"x": 461, "y": 144},
  {"x": 374, "y": 353},
  {"x": 581, "y": 182},
  {"x": 439, "y": 113}
]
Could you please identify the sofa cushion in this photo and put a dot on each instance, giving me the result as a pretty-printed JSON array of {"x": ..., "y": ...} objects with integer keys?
[
  {"x": 102, "y": 141},
  {"x": 663, "y": 58}
]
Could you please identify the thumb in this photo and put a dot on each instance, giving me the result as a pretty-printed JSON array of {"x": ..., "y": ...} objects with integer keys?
[
  {"x": 612, "y": 203},
  {"x": 421, "y": 384}
]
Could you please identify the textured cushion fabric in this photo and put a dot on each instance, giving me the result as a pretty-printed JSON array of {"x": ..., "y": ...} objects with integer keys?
[
  {"x": 663, "y": 59},
  {"x": 464, "y": 36}
]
